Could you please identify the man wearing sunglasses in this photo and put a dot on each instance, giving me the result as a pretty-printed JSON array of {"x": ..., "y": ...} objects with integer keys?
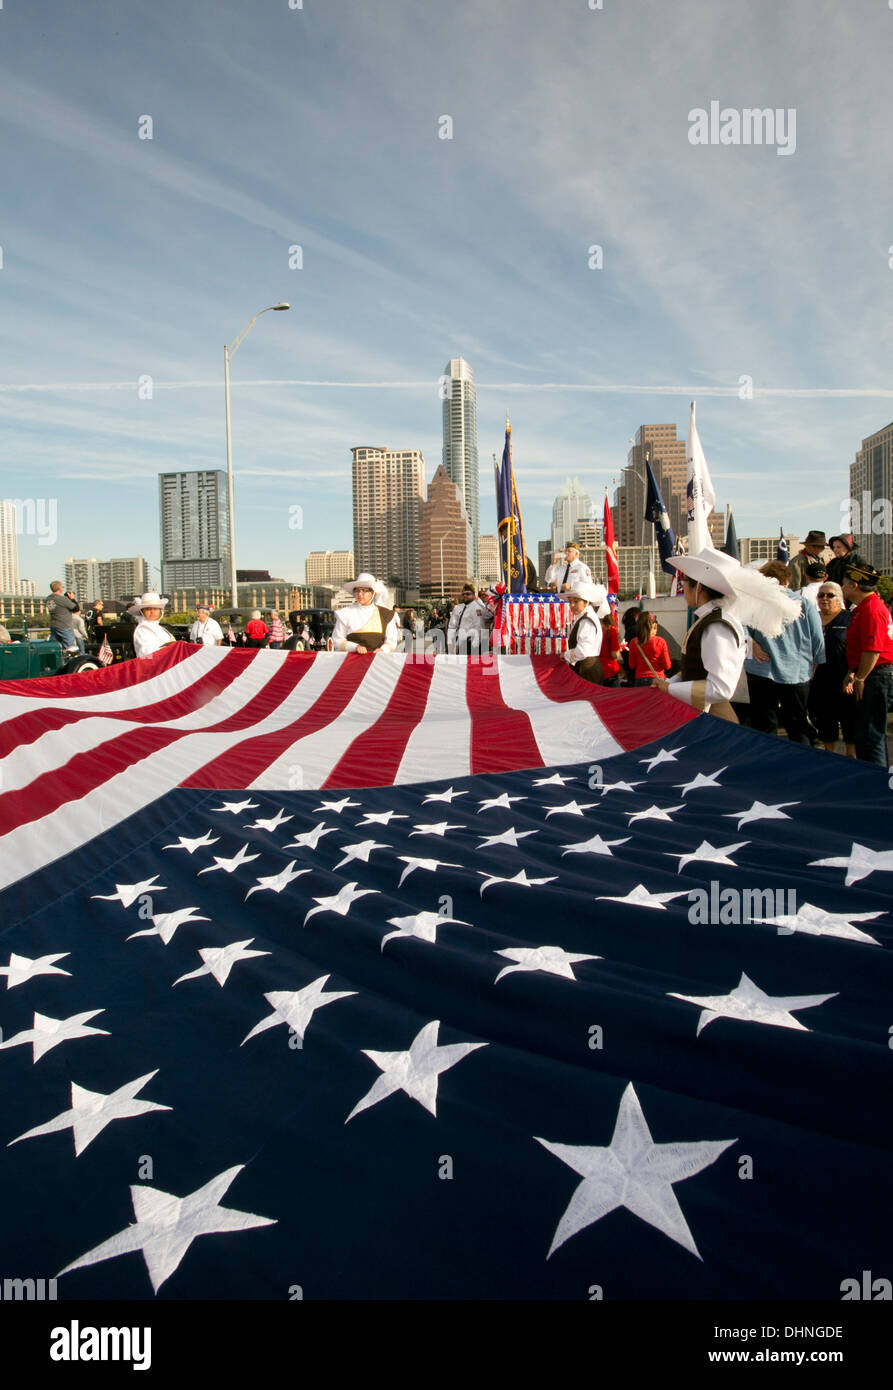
[{"x": 869, "y": 650}]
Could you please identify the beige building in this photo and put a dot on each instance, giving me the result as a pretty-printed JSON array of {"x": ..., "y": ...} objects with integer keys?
[
  {"x": 870, "y": 507},
  {"x": 763, "y": 548},
  {"x": 92, "y": 579},
  {"x": 489, "y": 566},
  {"x": 667, "y": 455},
  {"x": 388, "y": 491},
  {"x": 445, "y": 539},
  {"x": 329, "y": 567}
]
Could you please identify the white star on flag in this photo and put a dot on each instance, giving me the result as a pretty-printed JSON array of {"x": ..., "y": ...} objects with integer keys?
[
  {"x": 551, "y": 960},
  {"x": 508, "y": 837},
  {"x": 237, "y": 807},
  {"x": 448, "y": 796},
  {"x": 433, "y": 828},
  {"x": 700, "y": 780},
  {"x": 22, "y": 968},
  {"x": 653, "y": 813},
  {"x": 91, "y": 1111},
  {"x": 748, "y": 1002},
  {"x": 166, "y": 1226},
  {"x": 219, "y": 961},
  {"x": 423, "y": 926},
  {"x": 274, "y": 883},
  {"x": 556, "y": 780},
  {"x": 229, "y": 866},
  {"x": 503, "y": 802},
  {"x": 340, "y": 902},
  {"x": 272, "y": 823},
  {"x": 336, "y": 807},
  {"x": 640, "y": 897},
  {"x": 570, "y": 808},
  {"x": 164, "y": 924},
  {"x": 633, "y": 1172},
  {"x": 519, "y": 878},
  {"x": 760, "y": 811},
  {"x": 431, "y": 865},
  {"x": 361, "y": 850},
  {"x": 191, "y": 846},
  {"x": 815, "y": 921},
  {"x": 594, "y": 845},
  {"x": 618, "y": 787},
  {"x": 859, "y": 863},
  {"x": 309, "y": 839},
  {"x": 380, "y": 818},
  {"x": 708, "y": 854},
  {"x": 663, "y": 756},
  {"x": 296, "y": 1008},
  {"x": 415, "y": 1071},
  {"x": 47, "y": 1033},
  {"x": 127, "y": 893}
]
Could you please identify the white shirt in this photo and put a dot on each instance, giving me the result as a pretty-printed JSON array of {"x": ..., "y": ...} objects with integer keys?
[
  {"x": 356, "y": 616},
  {"x": 148, "y": 637},
  {"x": 722, "y": 656},
  {"x": 589, "y": 636},
  {"x": 577, "y": 573},
  {"x": 811, "y": 591},
  {"x": 465, "y": 616},
  {"x": 554, "y": 572},
  {"x": 209, "y": 632}
]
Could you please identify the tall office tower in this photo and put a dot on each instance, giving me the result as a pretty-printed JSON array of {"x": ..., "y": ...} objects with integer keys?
[
  {"x": 871, "y": 499},
  {"x": 489, "y": 566},
  {"x": 9, "y": 549},
  {"x": 544, "y": 554},
  {"x": 668, "y": 462},
  {"x": 92, "y": 579},
  {"x": 592, "y": 550},
  {"x": 329, "y": 567},
  {"x": 444, "y": 538},
  {"x": 84, "y": 579},
  {"x": 195, "y": 530},
  {"x": 388, "y": 491},
  {"x": 460, "y": 446},
  {"x": 571, "y": 507}
]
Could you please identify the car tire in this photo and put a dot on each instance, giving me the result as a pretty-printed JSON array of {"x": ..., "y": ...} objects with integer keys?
[{"x": 81, "y": 663}]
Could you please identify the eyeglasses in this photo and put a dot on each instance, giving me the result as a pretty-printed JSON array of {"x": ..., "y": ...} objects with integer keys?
[{"x": 826, "y": 593}]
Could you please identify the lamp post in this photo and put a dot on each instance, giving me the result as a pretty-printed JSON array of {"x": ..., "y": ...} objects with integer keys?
[
  {"x": 227, "y": 354},
  {"x": 442, "y": 539}
]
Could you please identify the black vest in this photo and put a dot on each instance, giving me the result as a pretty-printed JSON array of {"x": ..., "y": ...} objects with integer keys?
[
  {"x": 692, "y": 667},
  {"x": 371, "y": 641}
]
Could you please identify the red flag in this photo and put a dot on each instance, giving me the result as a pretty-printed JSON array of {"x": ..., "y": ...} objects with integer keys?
[{"x": 611, "y": 553}]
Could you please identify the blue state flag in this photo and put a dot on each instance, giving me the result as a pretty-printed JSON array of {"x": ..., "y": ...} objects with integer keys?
[
  {"x": 783, "y": 552},
  {"x": 510, "y": 527},
  {"x": 656, "y": 512}
]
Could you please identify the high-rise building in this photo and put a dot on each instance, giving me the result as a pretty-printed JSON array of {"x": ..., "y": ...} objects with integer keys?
[
  {"x": 460, "y": 446},
  {"x": 9, "y": 549},
  {"x": 329, "y": 567},
  {"x": 489, "y": 565},
  {"x": 92, "y": 579},
  {"x": 444, "y": 538},
  {"x": 871, "y": 500},
  {"x": 388, "y": 491},
  {"x": 571, "y": 507},
  {"x": 195, "y": 530},
  {"x": 667, "y": 455}
]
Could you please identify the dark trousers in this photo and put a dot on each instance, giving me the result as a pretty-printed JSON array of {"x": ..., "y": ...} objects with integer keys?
[
  {"x": 871, "y": 713},
  {"x": 769, "y": 698}
]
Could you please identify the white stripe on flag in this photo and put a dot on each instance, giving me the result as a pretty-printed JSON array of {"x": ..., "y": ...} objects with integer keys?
[
  {"x": 565, "y": 732},
  {"x": 440, "y": 745}
]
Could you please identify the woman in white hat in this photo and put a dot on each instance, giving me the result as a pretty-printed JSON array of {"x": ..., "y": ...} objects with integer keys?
[
  {"x": 366, "y": 626},
  {"x": 726, "y": 597},
  {"x": 148, "y": 635},
  {"x": 589, "y": 604}
]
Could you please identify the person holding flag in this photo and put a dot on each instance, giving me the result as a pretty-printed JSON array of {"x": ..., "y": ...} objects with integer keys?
[{"x": 589, "y": 604}]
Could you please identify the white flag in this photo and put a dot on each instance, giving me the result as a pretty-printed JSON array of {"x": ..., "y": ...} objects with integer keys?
[{"x": 701, "y": 497}]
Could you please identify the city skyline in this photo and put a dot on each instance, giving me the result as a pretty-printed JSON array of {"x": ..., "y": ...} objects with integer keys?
[{"x": 540, "y": 210}]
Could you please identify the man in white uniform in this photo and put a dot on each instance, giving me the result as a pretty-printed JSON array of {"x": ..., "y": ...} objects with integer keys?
[
  {"x": 366, "y": 626},
  {"x": 589, "y": 604},
  {"x": 573, "y": 572},
  {"x": 148, "y": 635},
  {"x": 468, "y": 621},
  {"x": 205, "y": 629}
]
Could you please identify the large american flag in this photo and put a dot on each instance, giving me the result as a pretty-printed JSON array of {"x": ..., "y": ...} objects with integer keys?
[{"x": 348, "y": 977}]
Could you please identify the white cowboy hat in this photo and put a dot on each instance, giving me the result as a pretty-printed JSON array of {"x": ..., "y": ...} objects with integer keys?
[
  {"x": 365, "y": 581},
  {"x": 754, "y": 600},
  {"x": 148, "y": 600},
  {"x": 596, "y": 594}
]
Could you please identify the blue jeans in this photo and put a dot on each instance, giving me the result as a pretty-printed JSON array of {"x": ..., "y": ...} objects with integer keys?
[
  {"x": 872, "y": 711},
  {"x": 67, "y": 639}
]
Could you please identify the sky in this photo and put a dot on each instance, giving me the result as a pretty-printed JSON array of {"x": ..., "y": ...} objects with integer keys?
[{"x": 129, "y": 260}]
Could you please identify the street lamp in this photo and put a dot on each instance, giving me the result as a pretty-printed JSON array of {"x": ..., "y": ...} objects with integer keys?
[
  {"x": 227, "y": 354},
  {"x": 442, "y": 539}
]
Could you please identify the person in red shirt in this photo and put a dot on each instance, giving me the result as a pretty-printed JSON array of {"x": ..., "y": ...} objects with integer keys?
[
  {"x": 610, "y": 652},
  {"x": 649, "y": 655},
  {"x": 256, "y": 632},
  {"x": 869, "y": 654}
]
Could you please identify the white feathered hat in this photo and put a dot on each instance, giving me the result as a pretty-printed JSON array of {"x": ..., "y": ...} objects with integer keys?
[
  {"x": 366, "y": 581},
  {"x": 596, "y": 594},
  {"x": 752, "y": 598},
  {"x": 148, "y": 600}
]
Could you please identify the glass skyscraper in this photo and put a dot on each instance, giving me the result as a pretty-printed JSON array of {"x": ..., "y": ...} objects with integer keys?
[{"x": 460, "y": 445}]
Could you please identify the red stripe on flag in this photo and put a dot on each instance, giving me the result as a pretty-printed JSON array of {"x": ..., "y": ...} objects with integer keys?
[
  {"x": 25, "y": 728},
  {"x": 374, "y": 758},
  {"x": 502, "y": 739},
  {"x": 631, "y": 717},
  {"x": 245, "y": 761},
  {"x": 123, "y": 673}
]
